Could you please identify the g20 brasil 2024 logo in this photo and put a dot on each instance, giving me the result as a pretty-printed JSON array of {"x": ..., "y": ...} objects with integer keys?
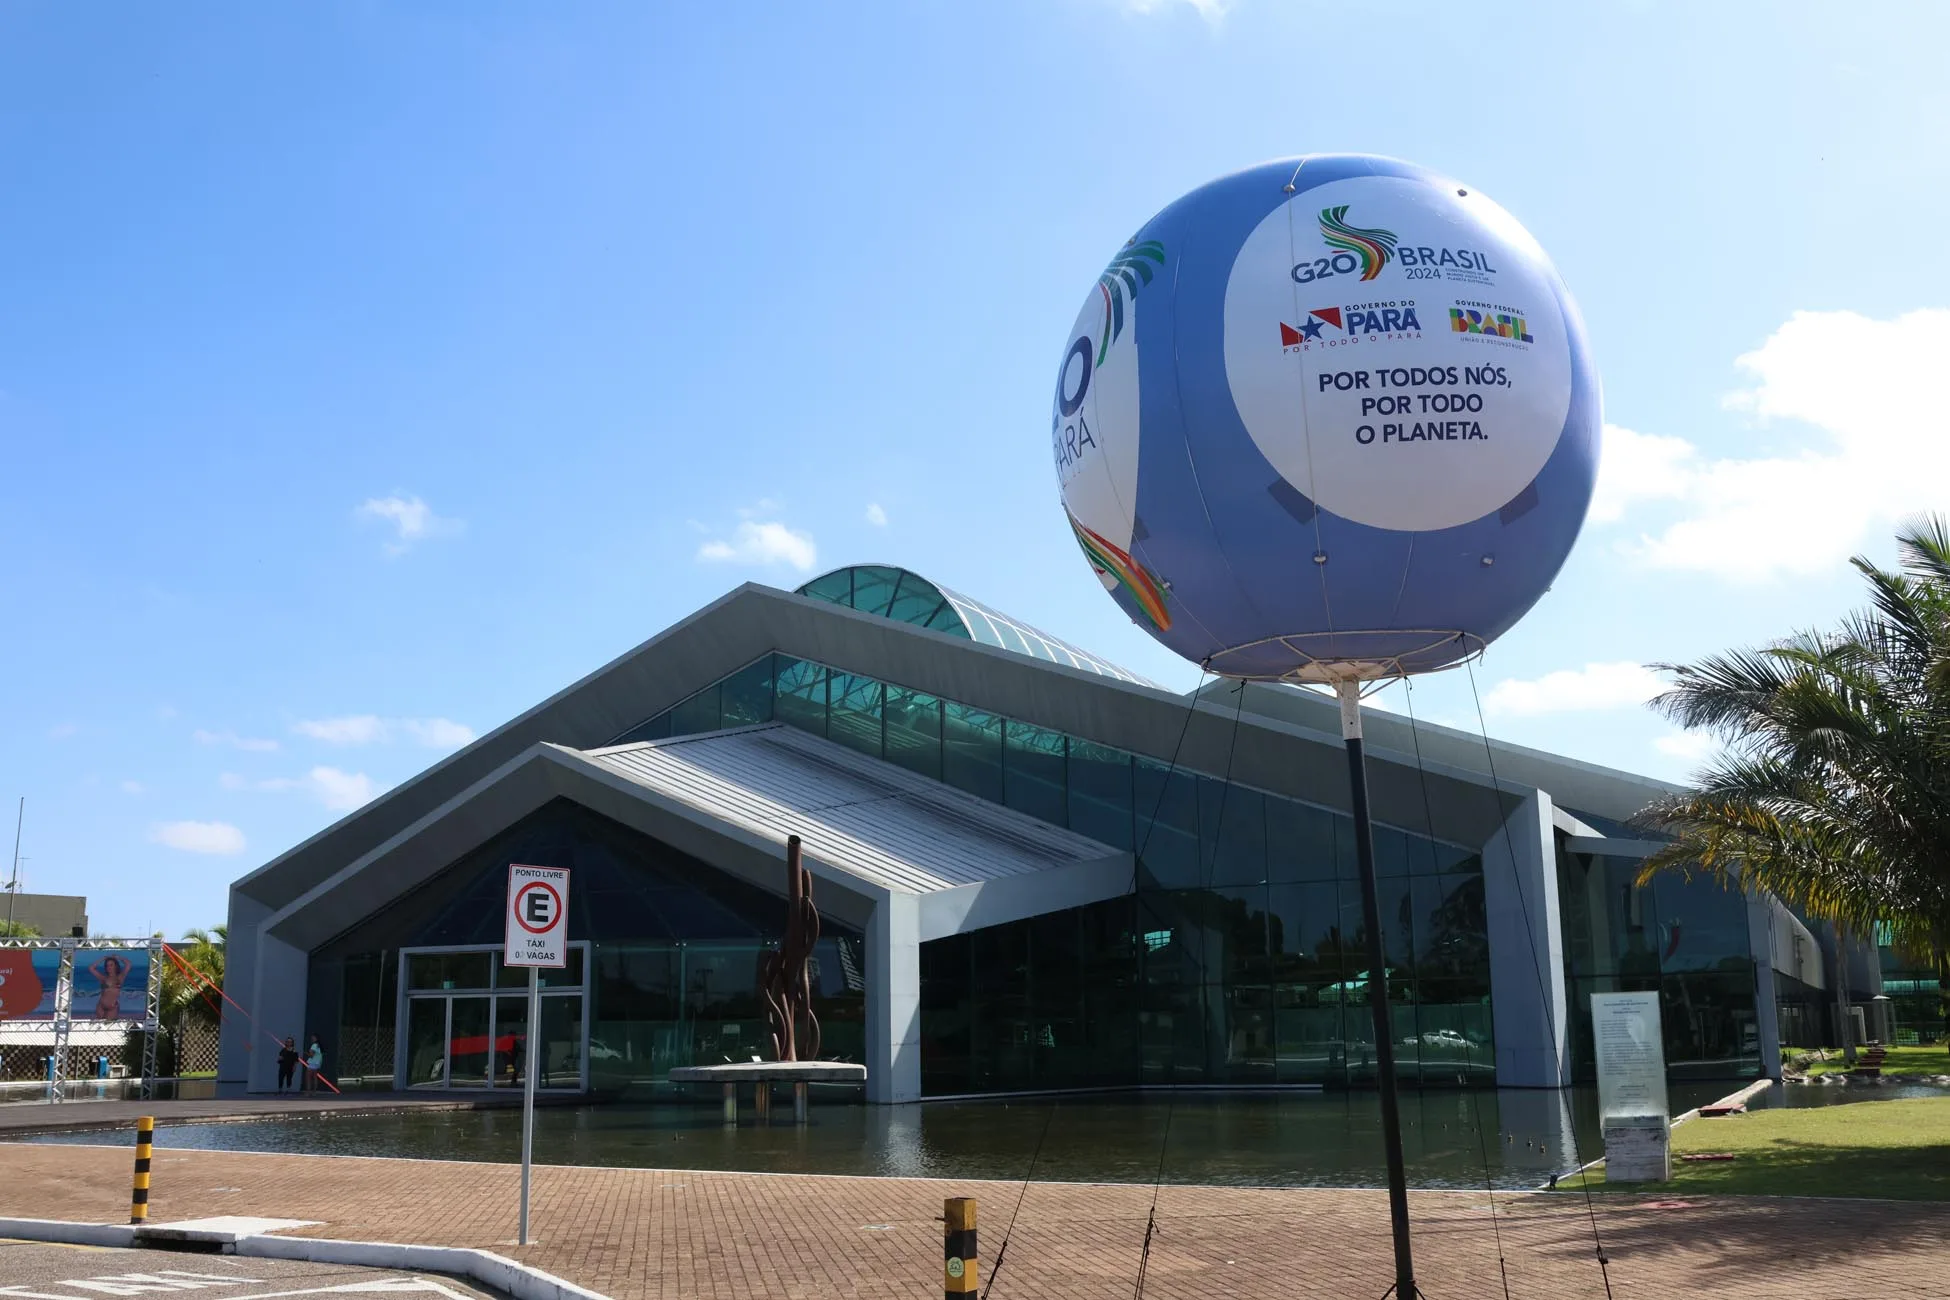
[{"x": 1367, "y": 250}]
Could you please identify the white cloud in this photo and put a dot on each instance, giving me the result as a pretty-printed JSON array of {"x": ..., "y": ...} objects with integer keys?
[
  {"x": 1639, "y": 467},
  {"x": 363, "y": 729},
  {"x": 234, "y": 741},
  {"x": 876, "y": 516},
  {"x": 767, "y": 543},
  {"x": 1210, "y": 10},
  {"x": 1595, "y": 686},
  {"x": 1881, "y": 451},
  {"x": 341, "y": 791},
  {"x": 1689, "y": 746},
  {"x": 134, "y": 787},
  {"x": 371, "y": 729},
  {"x": 413, "y": 520},
  {"x": 199, "y": 837},
  {"x": 62, "y": 730},
  {"x": 438, "y": 733},
  {"x": 337, "y": 790}
]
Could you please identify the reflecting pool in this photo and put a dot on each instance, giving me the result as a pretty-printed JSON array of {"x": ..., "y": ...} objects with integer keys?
[{"x": 1461, "y": 1139}]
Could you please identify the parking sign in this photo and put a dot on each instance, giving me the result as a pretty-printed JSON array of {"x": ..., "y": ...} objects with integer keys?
[{"x": 538, "y": 917}]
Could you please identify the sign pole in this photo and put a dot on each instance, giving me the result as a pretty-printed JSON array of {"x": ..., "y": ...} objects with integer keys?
[
  {"x": 528, "y": 1091},
  {"x": 537, "y": 937}
]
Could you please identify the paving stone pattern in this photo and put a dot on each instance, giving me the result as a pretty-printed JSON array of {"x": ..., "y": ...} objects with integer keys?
[{"x": 638, "y": 1233}]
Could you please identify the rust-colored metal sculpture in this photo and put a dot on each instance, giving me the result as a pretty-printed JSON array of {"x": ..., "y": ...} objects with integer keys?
[{"x": 784, "y": 977}]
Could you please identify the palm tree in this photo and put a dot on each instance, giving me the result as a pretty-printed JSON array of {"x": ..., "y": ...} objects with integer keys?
[
  {"x": 184, "y": 999},
  {"x": 1833, "y": 792}
]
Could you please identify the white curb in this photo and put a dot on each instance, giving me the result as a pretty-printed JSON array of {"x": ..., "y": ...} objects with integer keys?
[{"x": 498, "y": 1271}]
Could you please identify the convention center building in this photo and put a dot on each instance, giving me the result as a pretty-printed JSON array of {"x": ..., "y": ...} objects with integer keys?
[{"x": 1034, "y": 871}]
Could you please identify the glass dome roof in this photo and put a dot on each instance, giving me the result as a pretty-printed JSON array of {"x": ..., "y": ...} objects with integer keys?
[{"x": 907, "y": 597}]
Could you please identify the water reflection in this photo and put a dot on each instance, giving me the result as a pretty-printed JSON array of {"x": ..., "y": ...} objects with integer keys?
[{"x": 1458, "y": 1139}]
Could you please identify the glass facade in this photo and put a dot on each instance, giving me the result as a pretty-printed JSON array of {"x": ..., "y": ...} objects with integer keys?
[
  {"x": 1687, "y": 940},
  {"x": 909, "y": 598},
  {"x": 1240, "y": 957},
  {"x": 666, "y": 972}
]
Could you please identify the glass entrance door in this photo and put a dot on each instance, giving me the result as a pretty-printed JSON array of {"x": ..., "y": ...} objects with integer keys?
[
  {"x": 511, "y": 1041},
  {"x": 426, "y": 1043},
  {"x": 470, "y": 1050},
  {"x": 466, "y": 1021}
]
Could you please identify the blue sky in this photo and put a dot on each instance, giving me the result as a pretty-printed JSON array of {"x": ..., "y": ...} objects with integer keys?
[{"x": 369, "y": 372}]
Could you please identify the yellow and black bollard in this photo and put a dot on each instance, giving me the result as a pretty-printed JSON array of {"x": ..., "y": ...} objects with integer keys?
[
  {"x": 958, "y": 1232},
  {"x": 145, "y": 1133}
]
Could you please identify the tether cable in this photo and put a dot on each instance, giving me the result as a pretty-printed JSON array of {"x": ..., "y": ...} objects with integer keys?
[
  {"x": 1537, "y": 964},
  {"x": 1002, "y": 1252},
  {"x": 1171, "y": 1091},
  {"x": 1475, "y": 1100}
]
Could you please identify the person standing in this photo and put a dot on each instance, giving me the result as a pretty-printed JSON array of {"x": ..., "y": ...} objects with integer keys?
[
  {"x": 287, "y": 1063},
  {"x": 314, "y": 1064}
]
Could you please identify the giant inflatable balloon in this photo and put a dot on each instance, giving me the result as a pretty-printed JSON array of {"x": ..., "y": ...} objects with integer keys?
[{"x": 1330, "y": 416}]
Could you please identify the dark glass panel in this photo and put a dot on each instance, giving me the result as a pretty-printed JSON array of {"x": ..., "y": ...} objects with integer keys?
[
  {"x": 1167, "y": 824},
  {"x": 1247, "y": 1053},
  {"x": 1062, "y": 1047},
  {"x": 1390, "y": 852},
  {"x": 1100, "y": 793},
  {"x": 854, "y": 720},
  {"x": 1299, "y": 841},
  {"x": 1397, "y": 912},
  {"x": 1033, "y": 772},
  {"x": 972, "y": 751},
  {"x": 1172, "y": 1034},
  {"x": 1702, "y": 927},
  {"x": 1311, "y": 1042},
  {"x": 702, "y": 712},
  {"x": 1304, "y": 934},
  {"x": 1174, "y": 931},
  {"x": 722, "y": 1002},
  {"x": 1108, "y": 961},
  {"x": 801, "y": 699},
  {"x": 873, "y": 588},
  {"x": 913, "y": 723},
  {"x": 1236, "y": 923},
  {"x": 1003, "y": 1033},
  {"x": 915, "y": 600},
  {"x": 449, "y": 970},
  {"x": 1451, "y": 927},
  {"x": 1423, "y": 859},
  {"x": 947, "y": 1014},
  {"x": 839, "y": 978},
  {"x": 836, "y": 586},
  {"x": 1710, "y": 1029},
  {"x": 748, "y": 694},
  {"x": 949, "y": 619},
  {"x": 1232, "y": 833}
]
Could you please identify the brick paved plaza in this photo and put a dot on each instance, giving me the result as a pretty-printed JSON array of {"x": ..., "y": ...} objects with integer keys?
[{"x": 668, "y": 1234}]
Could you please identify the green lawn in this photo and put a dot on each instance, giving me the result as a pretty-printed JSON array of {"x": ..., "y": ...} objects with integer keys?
[
  {"x": 1900, "y": 1061},
  {"x": 1894, "y": 1149}
]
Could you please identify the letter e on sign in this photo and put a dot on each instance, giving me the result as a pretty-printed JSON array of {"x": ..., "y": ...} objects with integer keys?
[{"x": 538, "y": 917}]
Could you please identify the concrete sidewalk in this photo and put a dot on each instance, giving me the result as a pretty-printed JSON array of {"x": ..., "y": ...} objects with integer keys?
[{"x": 634, "y": 1233}]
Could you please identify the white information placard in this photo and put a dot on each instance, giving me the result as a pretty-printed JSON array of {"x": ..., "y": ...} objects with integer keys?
[
  {"x": 538, "y": 917},
  {"x": 1628, "y": 1035}
]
